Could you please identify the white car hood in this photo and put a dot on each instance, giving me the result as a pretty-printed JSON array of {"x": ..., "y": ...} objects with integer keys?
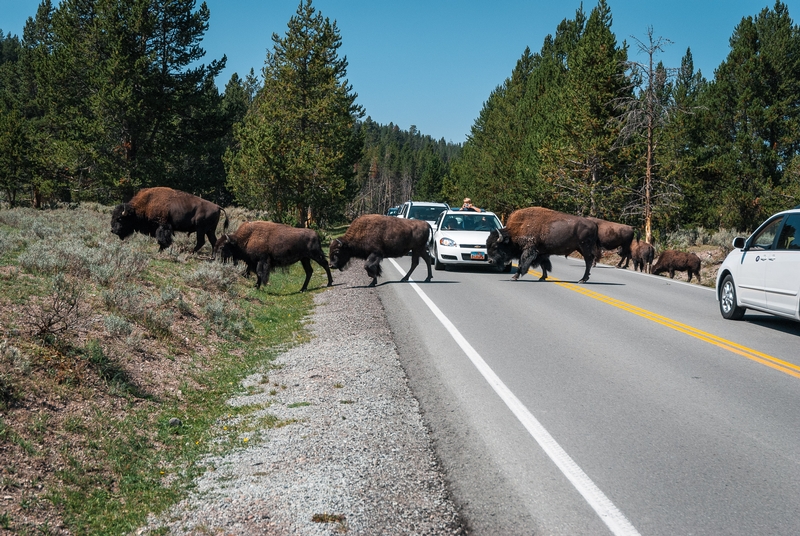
[{"x": 471, "y": 238}]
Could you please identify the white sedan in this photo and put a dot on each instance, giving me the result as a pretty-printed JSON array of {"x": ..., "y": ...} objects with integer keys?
[
  {"x": 459, "y": 238},
  {"x": 763, "y": 272}
]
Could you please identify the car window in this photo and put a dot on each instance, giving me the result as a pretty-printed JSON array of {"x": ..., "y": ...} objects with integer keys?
[
  {"x": 451, "y": 223},
  {"x": 766, "y": 236},
  {"x": 481, "y": 222},
  {"x": 790, "y": 239},
  {"x": 424, "y": 213}
]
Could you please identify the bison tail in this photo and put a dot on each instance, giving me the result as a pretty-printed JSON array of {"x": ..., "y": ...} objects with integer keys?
[{"x": 225, "y": 224}]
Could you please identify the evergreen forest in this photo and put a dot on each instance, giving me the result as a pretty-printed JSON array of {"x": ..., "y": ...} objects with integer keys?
[{"x": 99, "y": 98}]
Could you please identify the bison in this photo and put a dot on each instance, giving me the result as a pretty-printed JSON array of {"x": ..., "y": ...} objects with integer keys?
[
  {"x": 264, "y": 245},
  {"x": 642, "y": 255},
  {"x": 161, "y": 211},
  {"x": 610, "y": 236},
  {"x": 677, "y": 261},
  {"x": 374, "y": 237},
  {"x": 533, "y": 234}
]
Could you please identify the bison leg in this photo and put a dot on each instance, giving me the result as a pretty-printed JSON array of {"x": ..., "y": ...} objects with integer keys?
[
  {"x": 262, "y": 272},
  {"x": 527, "y": 258},
  {"x": 626, "y": 255},
  {"x": 585, "y": 277},
  {"x": 164, "y": 237},
  {"x": 201, "y": 240},
  {"x": 307, "y": 267},
  {"x": 373, "y": 267},
  {"x": 322, "y": 261},
  {"x": 672, "y": 273},
  {"x": 546, "y": 266},
  {"x": 415, "y": 256}
]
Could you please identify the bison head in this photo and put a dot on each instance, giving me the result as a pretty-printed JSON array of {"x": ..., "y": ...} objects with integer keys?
[
  {"x": 123, "y": 220},
  {"x": 499, "y": 247},
  {"x": 339, "y": 254}
]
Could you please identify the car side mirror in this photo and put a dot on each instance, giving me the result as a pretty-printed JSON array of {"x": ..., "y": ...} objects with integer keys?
[{"x": 738, "y": 242}]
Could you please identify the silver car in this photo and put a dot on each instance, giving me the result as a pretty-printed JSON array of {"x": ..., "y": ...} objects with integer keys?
[{"x": 762, "y": 272}]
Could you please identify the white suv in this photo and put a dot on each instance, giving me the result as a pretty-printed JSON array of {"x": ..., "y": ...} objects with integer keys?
[
  {"x": 763, "y": 272},
  {"x": 422, "y": 210}
]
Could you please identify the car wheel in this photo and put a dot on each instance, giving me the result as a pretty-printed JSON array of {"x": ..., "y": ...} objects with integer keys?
[
  {"x": 437, "y": 264},
  {"x": 727, "y": 300}
]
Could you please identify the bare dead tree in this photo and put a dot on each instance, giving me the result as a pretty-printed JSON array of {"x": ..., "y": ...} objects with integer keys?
[{"x": 644, "y": 116}]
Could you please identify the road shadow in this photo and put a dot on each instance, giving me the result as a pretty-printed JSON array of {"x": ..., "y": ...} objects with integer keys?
[{"x": 775, "y": 323}]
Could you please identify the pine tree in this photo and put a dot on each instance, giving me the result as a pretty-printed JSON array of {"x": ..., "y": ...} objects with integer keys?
[
  {"x": 117, "y": 102},
  {"x": 682, "y": 155},
  {"x": 754, "y": 116},
  {"x": 297, "y": 146},
  {"x": 580, "y": 159},
  {"x": 487, "y": 170}
]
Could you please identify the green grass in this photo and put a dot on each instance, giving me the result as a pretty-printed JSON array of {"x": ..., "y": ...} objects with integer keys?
[{"x": 123, "y": 460}]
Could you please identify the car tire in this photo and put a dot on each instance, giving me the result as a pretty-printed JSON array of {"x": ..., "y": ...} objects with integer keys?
[
  {"x": 438, "y": 265},
  {"x": 727, "y": 300}
]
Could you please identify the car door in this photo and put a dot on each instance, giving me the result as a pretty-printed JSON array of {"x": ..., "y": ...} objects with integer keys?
[
  {"x": 783, "y": 268},
  {"x": 751, "y": 274}
]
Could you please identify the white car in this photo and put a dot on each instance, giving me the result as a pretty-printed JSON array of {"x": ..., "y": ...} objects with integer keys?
[
  {"x": 762, "y": 273},
  {"x": 459, "y": 238}
]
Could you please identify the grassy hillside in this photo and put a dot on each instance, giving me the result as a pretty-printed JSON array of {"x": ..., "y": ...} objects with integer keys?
[{"x": 115, "y": 362}]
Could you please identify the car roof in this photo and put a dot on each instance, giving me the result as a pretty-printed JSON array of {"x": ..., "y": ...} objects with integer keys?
[
  {"x": 459, "y": 211},
  {"x": 429, "y": 203}
]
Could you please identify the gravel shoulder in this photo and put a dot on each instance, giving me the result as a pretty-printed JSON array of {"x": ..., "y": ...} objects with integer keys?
[{"x": 355, "y": 456}]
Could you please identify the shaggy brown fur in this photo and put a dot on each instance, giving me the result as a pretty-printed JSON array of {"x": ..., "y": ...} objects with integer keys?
[
  {"x": 264, "y": 245},
  {"x": 610, "y": 236},
  {"x": 161, "y": 211},
  {"x": 642, "y": 255},
  {"x": 374, "y": 237},
  {"x": 678, "y": 261},
  {"x": 533, "y": 234}
]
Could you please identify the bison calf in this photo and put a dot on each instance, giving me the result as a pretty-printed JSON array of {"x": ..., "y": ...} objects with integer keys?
[
  {"x": 161, "y": 211},
  {"x": 533, "y": 234},
  {"x": 264, "y": 245},
  {"x": 677, "y": 261},
  {"x": 642, "y": 255},
  {"x": 374, "y": 237}
]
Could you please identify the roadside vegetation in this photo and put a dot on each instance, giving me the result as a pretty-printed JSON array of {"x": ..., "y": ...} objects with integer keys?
[{"x": 115, "y": 364}]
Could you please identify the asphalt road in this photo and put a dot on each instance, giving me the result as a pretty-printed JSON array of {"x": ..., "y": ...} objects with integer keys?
[{"x": 625, "y": 405}]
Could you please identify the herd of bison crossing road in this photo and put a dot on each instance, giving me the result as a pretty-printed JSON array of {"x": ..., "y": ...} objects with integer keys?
[{"x": 531, "y": 235}]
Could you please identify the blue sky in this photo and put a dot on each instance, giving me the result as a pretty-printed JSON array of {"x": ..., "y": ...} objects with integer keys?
[{"x": 433, "y": 63}]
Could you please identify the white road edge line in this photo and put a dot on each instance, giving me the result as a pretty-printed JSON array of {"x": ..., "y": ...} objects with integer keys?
[{"x": 608, "y": 512}]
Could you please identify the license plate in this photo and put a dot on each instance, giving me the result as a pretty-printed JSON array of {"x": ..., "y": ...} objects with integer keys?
[{"x": 477, "y": 256}]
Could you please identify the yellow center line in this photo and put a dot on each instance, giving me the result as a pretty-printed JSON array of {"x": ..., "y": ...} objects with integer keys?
[{"x": 749, "y": 353}]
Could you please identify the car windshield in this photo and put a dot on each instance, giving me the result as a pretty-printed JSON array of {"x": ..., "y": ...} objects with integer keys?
[
  {"x": 425, "y": 213},
  {"x": 471, "y": 222}
]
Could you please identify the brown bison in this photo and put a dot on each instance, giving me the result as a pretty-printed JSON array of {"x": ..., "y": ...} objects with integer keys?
[
  {"x": 611, "y": 236},
  {"x": 533, "y": 234},
  {"x": 677, "y": 261},
  {"x": 374, "y": 237},
  {"x": 642, "y": 255},
  {"x": 264, "y": 245},
  {"x": 161, "y": 211}
]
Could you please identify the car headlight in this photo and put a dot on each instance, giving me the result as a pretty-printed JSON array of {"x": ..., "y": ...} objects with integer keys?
[{"x": 449, "y": 242}]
